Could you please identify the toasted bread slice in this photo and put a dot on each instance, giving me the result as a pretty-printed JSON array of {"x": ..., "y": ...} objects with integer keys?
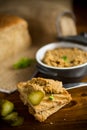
[{"x": 47, "y": 106}]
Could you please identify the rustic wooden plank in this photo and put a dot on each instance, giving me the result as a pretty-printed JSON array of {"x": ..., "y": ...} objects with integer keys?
[{"x": 72, "y": 116}]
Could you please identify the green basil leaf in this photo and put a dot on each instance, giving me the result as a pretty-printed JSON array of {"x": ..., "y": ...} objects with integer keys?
[
  {"x": 64, "y": 58},
  {"x": 23, "y": 63}
]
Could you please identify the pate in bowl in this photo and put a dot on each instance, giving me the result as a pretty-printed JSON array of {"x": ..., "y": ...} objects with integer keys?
[{"x": 70, "y": 71}]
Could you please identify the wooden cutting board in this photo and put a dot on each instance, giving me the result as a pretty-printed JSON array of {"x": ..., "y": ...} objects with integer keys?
[{"x": 72, "y": 116}]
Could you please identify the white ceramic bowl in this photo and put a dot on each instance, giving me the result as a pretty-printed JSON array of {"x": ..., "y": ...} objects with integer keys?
[{"x": 66, "y": 73}]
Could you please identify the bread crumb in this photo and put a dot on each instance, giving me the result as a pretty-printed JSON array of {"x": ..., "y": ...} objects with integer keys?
[{"x": 51, "y": 123}]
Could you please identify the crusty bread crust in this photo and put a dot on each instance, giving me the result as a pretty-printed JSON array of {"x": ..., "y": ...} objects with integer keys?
[{"x": 7, "y": 21}]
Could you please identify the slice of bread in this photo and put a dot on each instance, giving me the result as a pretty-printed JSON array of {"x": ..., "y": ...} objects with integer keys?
[
  {"x": 14, "y": 36},
  {"x": 49, "y": 87}
]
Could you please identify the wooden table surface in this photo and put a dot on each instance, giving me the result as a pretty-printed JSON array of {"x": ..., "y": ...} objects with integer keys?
[{"x": 72, "y": 117}]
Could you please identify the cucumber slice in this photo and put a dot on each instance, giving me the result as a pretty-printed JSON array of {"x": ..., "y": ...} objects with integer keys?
[
  {"x": 10, "y": 117},
  {"x": 6, "y": 107},
  {"x": 35, "y": 97},
  {"x": 18, "y": 121}
]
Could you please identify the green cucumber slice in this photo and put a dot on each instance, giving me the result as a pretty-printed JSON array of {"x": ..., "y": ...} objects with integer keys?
[
  {"x": 35, "y": 97},
  {"x": 6, "y": 107}
]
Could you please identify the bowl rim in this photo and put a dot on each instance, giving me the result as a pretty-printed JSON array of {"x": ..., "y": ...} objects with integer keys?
[{"x": 56, "y": 45}]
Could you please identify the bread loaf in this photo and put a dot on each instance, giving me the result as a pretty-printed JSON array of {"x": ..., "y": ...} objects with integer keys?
[{"x": 14, "y": 36}]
